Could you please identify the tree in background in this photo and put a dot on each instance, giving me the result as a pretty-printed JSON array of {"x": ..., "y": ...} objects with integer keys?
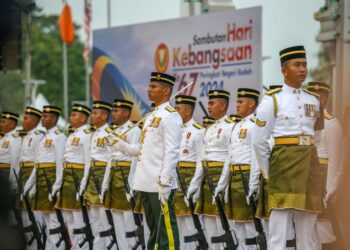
[
  {"x": 46, "y": 52},
  {"x": 323, "y": 72}
]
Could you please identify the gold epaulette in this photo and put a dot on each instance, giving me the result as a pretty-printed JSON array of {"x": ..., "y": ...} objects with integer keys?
[
  {"x": 228, "y": 120},
  {"x": 253, "y": 119},
  {"x": 258, "y": 122},
  {"x": 57, "y": 132},
  {"x": 131, "y": 125},
  {"x": 109, "y": 130},
  {"x": 273, "y": 91},
  {"x": 16, "y": 134},
  {"x": 197, "y": 125},
  {"x": 114, "y": 126},
  {"x": 170, "y": 109},
  {"x": 38, "y": 132},
  {"x": 311, "y": 93},
  {"x": 87, "y": 131},
  {"x": 328, "y": 116},
  {"x": 22, "y": 132}
]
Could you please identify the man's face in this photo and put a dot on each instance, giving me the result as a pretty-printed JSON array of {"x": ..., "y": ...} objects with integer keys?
[
  {"x": 6, "y": 125},
  {"x": 48, "y": 120},
  {"x": 183, "y": 111},
  {"x": 244, "y": 106},
  {"x": 119, "y": 115},
  {"x": 29, "y": 122},
  {"x": 155, "y": 91},
  {"x": 98, "y": 117},
  {"x": 216, "y": 107},
  {"x": 295, "y": 70},
  {"x": 76, "y": 119}
]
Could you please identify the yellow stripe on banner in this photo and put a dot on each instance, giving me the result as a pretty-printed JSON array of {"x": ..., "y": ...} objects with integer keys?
[{"x": 168, "y": 228}]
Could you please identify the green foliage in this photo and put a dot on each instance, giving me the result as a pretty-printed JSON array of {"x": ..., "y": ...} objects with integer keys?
[{"x": 47, "y": 64}]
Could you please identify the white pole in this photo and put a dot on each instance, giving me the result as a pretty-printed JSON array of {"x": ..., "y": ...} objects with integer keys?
[
  {"x": 87, "y": 83},
  {"x": 108, "y": 13},
  {"x": 65, "y": 80}
]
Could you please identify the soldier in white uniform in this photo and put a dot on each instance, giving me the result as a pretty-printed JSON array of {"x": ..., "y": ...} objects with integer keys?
[
  {"x": 76, "y": 158},
  {"x": 158, "y": 155},
  {"x": 10, "y": 146},
  {"x": 291, "y": 115},
  {"x": 240, "y": 158},
  {"x": 119, "y": 167},
  {"x": 190, "y": 157},
  {"x": 49, "y": 160},
  {"x": 330, "y": 154},
  {"x": 99, "y": 156},
  {"x": 29, "y": 150},
  {"x": 214, "y": 152}
]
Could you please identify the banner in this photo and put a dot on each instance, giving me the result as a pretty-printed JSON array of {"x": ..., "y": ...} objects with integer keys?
[{"x": 219, "y": 50}]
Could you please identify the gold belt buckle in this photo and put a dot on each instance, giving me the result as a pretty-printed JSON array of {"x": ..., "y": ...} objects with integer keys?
[{"x": 304, "y": 140}]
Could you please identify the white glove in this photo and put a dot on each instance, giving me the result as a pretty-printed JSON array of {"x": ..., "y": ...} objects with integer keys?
[
  {"x": 21, "y": 197},
  {"x": 50, "y": 197},
  {"x": 164, "y": 193},
  {"x": 253, "y": 191},
  {"x": 77, "y": 196},
  {"x": 186, "y": 201},
  {"x": 32, "y": 192},
  {"x": 129, "y": 195},
  {"x": 226, "y": 198},
  {"x": 102, "y": 196},
  {"x": 55, "y": 189}
]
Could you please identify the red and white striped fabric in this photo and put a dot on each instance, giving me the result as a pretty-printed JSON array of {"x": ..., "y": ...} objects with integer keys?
[{"x": 87, "y": 28}]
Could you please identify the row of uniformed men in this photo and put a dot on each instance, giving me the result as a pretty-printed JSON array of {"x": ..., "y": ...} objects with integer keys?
[{"x": 220, "y": 151}]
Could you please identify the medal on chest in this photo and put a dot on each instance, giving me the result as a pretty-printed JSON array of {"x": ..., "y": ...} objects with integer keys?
[
  {"x": 309, "y": 110},
  {"x": 5, "y": 144},
  {"x": 75, "y": 141},
  {"x": 48, "y": 143},
  {"x": 188, "y": 136},
  {"x": 243, "y": 133}
]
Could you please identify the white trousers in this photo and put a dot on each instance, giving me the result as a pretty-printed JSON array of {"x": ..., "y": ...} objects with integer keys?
[
  {"x": 245, "y": 230},
  {"x": 325, "y": 232},
  {"x": 213, "y": 227},
  {"x": 124, "y": 222},
  {"x": 186, "y": 228},
  {"x": 99, "y": 223},
  {"x": 280, "y": 224},
  {"x": 75, "y": 220},
  {"x": 51, "y": 222}
]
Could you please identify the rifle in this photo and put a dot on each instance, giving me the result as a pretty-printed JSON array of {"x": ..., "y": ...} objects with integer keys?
[
  {"x": 111, "y": 231},
  {"x": 227, "y": 236},
  {"x": 199, "y": 237},
  {"x": 61, "y": 229},
  {"x": 87, "y": 230},
  {"x": 138, "y": 233},
  {"x": 259, "y": 240},
  {"x": 33, "y": 227}
]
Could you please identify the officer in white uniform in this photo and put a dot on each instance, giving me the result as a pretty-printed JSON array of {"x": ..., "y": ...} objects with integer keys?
[
  {"x": 49, "y": 161},
  {"x": 190, "y": 157},
  {"x": 158, "y": 155},
  {"x": 99, "y": 156},
  {"x": 214, "y": 153},
  {"x": 291, "y": 115},
  {"x": 330, "y": 154},
  {"x": 10, "y": 146},
  {"x": 239, "y": 159},
  {"x": 121, "y": 166},
  {"x": 29, "y": 150},
  {"x": 76, "y": 158}
]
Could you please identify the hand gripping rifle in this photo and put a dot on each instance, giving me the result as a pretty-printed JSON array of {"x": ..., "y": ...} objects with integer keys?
[
  {"x": 33, "y": 228},
  {"x": 259, "y": 240},
  {"x": 87, "y": 230},
  {"x": 139, "y": 232},
  {"x": 227, "y": 237},
  {"x": 62, "y": 228},
  {"x": 198, "y": 237},
  {"x": 111, "y": 231}
]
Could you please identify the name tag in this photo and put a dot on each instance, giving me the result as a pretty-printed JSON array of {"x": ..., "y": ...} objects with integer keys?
[
  {"x": 100, "y": 142},
  {"x": 155, "y": 122}
]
